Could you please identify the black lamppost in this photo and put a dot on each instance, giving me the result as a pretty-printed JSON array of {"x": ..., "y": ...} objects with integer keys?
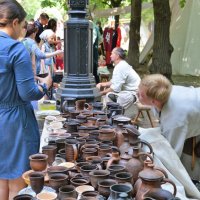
[{"x": 78, "y": 81}]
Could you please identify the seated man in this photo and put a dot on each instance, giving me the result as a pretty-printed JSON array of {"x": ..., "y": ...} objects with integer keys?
[{"x": 124, "y": 83}]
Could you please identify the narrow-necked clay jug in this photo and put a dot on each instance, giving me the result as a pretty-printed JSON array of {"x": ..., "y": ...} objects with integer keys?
[
  {"x": 135, "y": 164},
  {"x": 152, "y": 179}
]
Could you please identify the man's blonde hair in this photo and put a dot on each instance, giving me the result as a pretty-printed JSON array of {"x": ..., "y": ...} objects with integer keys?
[{"x": 158, "y": 87}]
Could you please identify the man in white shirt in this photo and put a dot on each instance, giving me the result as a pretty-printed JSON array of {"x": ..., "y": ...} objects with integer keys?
[{"x": 123, "y": 86}]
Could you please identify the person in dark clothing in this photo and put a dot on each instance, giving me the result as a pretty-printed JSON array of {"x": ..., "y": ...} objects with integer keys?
[{"x": 40, "y": 23}]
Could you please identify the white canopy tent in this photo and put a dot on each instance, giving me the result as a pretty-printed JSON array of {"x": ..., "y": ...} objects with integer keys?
[{"x": 185, "y": 38}]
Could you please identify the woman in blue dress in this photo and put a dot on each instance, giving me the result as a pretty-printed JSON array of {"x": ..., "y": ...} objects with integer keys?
[{"x": 19, "y": 133}]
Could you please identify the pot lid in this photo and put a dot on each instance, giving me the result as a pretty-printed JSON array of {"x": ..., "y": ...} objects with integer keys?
[{"x": 151, "y": 174}]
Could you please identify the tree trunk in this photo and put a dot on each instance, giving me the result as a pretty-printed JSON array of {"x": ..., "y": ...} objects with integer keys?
[
  {"x": 162, "y": 48},
  {"x": 134, "y": 33}
]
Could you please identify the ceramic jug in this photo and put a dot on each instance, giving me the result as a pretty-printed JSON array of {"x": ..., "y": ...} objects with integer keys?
[{"x": 151, "y": 181}]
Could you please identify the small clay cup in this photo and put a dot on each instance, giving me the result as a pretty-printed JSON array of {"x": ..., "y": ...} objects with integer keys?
[
  {"x": 58, "y": 180},
  {"x": 38, "y": 162},
  {"x": 67, "y": 191},
  {"x": 36, "y": 181}
]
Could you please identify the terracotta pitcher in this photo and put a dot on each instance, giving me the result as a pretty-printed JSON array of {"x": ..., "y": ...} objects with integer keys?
[
  {"x": 135, "y": 164},
  {"x": 152, "y": 179}
]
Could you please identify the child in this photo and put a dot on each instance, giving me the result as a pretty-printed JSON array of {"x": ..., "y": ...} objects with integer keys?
[{"x": 48, "y": 37}]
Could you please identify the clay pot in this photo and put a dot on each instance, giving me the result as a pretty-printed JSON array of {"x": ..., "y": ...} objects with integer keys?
[
  {"x": 86, "y": 169},
  {"x": 57, "y": 170},
  {"x": 117, "y": 189},
  {"x": 23, "y": 197},
  {"x": 115, "y": 169},
  {"x": 36, "y": 181},
  {"x": 90, "y": 195},
  {"x": 150, "y": 183},
  {"x": 58, "y": 180},
  {"x": 60, "y": 143},
  {"x": 80, "y": 164},
  {"x": 71, "y": 147},
  {"x": 50, "y": 151},
  {"x": 67, "y": 192},
  {"x": 123, "y": 177},
  {"x": 107, "y": 134},
  {"x": 97, "y": 175},
  {"x": 38, "y": 162},
  {"x": 97, "y": 106},
  {"x": 87, "y": 152},
  {"x": 103, "y": 150},
  {"x": 91, "y": 121},
  {"x": 71, "y": 126},
  {"x": 78, "y": 181},
  {"x": 104, "y": 187}
]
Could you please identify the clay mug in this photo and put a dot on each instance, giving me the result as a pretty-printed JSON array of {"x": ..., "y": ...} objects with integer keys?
[
  {"x": 80, "y": 104},
  {"x": 50, "y": 151},
  {"x": 38, "y": 162},
  {"x": 67, "y": 191}
]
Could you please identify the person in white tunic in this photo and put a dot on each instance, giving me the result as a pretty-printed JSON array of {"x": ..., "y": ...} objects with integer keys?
[
  {"x": 123, "y": 86},
  {"x": 178, "y": 108}
]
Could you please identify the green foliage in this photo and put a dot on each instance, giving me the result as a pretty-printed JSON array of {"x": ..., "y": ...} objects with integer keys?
[
  {"x": 30, "y": 7},
  {"x": 182, "y": 3}
]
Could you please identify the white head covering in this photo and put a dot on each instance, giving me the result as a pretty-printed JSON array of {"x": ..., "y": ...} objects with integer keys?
[{"x": 46, "y": 34}]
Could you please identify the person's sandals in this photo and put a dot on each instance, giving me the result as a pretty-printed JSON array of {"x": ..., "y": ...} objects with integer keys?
[{"x": 113, "y": 97}]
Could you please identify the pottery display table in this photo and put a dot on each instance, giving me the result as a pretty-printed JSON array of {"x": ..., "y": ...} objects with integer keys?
[{"x": 164, "y": 157}]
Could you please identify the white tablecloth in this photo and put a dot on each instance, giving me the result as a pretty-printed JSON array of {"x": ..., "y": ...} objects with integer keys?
[{"x": 166, "y": 158}]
